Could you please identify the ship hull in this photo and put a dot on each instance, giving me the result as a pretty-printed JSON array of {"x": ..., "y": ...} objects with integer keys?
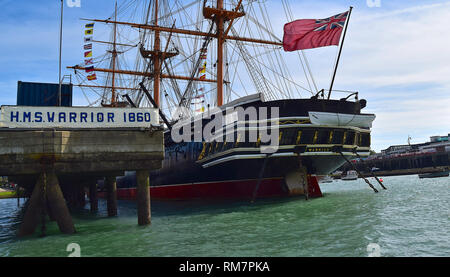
[
  {"x": 222, "y": 190},
  {"x": 241, "y": 170}
]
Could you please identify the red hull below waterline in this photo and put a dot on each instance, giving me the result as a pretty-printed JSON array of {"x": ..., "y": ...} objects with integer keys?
[{"x": 240, "y": 189}]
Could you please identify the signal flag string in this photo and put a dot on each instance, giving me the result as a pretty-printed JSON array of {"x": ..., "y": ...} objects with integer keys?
[{"x": 88, "y": 62}]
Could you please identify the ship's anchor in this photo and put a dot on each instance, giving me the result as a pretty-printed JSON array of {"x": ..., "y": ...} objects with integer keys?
[{"x": 338, "y": 149}]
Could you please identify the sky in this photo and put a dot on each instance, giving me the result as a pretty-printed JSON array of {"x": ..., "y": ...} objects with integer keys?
[{"x": 395, "y": 55}]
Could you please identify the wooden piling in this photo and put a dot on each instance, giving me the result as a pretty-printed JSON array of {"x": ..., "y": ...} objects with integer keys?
[
  {"x": 34, "y": 210},
  {"x": 93, "y": 198},
  {"x": 69, "y": 195},
  {"x": 47, "y": 196},
  {"x": 143, "y": 197},
  {"x": 111, "y": 190},
  {"x": 49, "y": 212},
  {"x": 81, "y": 197},
  {"x": 57, "y": 204}
]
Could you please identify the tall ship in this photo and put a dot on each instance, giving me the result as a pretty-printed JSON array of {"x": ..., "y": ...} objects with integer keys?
[{"x": 242, "y": 113}]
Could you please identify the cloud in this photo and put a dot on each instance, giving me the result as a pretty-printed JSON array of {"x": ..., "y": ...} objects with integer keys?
[
  {"x": 408, "y": 48},
  {"x": 409, "y": 10},
  {"x": 397, "y": 58}
]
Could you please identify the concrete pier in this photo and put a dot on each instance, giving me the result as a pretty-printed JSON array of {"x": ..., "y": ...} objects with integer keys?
[
  {"x": 57, "y": 204},
  {"x": 34, "y": 211},
  {"x": 143, "y": 197},
  {"x": 44, "y": 160},
  {"x": 111, "y": 192}
]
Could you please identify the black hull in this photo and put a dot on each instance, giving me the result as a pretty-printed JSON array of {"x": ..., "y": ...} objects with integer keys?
[{"x": 300, "y": 141}]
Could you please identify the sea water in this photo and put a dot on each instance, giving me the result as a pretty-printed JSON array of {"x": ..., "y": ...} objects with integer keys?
[{"x": 410, "y": 218}]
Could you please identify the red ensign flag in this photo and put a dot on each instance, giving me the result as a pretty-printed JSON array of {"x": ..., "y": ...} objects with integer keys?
[{"x": 313, "y": 33}]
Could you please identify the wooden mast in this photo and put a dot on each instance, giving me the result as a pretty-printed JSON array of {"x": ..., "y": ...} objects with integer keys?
[
  {"x": 157, "y": 60},
  {"x": 114, "y": 56},
  {"x": 220, "y": 42},
  {"x": 219, "y": 15}
]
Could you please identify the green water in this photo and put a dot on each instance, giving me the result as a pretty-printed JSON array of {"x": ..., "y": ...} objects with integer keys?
[{"x": 411, "y": 218}]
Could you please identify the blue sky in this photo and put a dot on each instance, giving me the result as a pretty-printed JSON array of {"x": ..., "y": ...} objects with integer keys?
[{"x": 396, "y": 55}]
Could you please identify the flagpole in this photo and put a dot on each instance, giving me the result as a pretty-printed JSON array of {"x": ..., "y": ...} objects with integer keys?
[
  {"x": 60, "y": 53},
  {"x": 339, "y": 55}
]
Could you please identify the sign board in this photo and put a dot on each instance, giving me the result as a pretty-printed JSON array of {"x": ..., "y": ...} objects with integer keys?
[{"x": 77, "y": 117}]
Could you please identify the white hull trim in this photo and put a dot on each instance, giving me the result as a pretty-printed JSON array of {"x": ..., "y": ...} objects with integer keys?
[{"x": 277, "y": 155}]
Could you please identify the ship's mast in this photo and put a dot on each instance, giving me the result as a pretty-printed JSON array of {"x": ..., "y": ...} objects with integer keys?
[
  {"x": 157, "y": 59},
  {"x": 220, "y": 42},
  {"x": 218, "y": 14},
  {"x": 114, "y": 56}
]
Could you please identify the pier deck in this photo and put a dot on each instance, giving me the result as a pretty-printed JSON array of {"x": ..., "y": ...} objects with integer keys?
[{"x": 90, "y": 151}]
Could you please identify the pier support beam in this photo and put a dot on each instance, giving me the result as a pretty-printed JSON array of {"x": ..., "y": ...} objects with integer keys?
[
  {"x": 34, "y": 210},
  {"x": 81, "y": 197},
  {"x": 143, "y": 197},
  {"x": 47, "y": 194},
  {"x": 57, "y": 205},
  {"x": 111, "y": 190},
  {"x": 93, "y": 198}
]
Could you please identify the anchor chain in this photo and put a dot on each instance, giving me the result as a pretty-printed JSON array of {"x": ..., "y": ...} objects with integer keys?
[
  {"x": 369, "y": 170},
  {"x": 338, "y": 149}
]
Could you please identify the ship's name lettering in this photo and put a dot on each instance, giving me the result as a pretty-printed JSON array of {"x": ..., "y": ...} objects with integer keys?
[
  {"x": 77, "y": 117},
  {"x": 318, "y": 149}
]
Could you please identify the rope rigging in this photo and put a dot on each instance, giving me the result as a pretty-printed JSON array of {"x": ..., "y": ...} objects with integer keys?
[{"x": 246, "y": 64}]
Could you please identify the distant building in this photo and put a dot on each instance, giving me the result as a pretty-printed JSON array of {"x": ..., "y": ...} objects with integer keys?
[
  {"x": 397, "y": 149},
  {"x": 436, "y": 144},
  {"x": 408, "y": 159},
  {"x": 440, "y": 138}
]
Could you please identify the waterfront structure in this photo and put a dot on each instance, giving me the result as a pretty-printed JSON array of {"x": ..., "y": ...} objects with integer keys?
[
  {"x": 428, "y": 157},
  {"x": 55, "y": 160},
  {"x": 436, "y": 144}
]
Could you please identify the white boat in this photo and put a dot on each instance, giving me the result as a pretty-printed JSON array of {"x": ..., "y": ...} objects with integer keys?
[
  {"x": 326, "y": 179},
  {"x": 350, "y": 176},
  {"x": 340, "y": 119}
]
